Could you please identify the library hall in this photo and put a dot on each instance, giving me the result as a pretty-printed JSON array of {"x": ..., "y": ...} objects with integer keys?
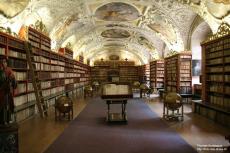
[{"x": 114, "y": 76}]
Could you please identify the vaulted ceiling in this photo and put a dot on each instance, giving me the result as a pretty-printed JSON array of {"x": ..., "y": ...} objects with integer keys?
[{"x": 140, "y": 30}]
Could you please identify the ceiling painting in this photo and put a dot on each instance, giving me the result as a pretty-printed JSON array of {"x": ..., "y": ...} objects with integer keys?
[
  {"x": 218, "y": 8},
  {"x": 151, "y": 27},
  {"x": 164, "y": 29},
  {"x": 11, "y": 8},
  {"x": 143, "y": 41},
  {"x": 117, "y": 11},
  {"x": 115, "y": 33}
]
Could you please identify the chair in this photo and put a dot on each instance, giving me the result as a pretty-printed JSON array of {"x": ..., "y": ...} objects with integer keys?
[
  {"x": 88, "y": 91},
  {"x": 63, "y": 105},
  {"x": 95, "y": 86},
  {"x": 144, "y": 89},
  {"x": 173, "y": 102},
  {"x": 136, "y": 86}
]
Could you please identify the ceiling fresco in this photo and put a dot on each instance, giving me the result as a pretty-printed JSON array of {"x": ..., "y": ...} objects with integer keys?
[
  {"x": 148, "y": 29},
  {"x": 217, "y": 8},
  {"x": 115, "y": 33},
  {"x": 143, "y": 41},
  {"x": 117, "y": 11},
  {"x": 13, "y": 7}
]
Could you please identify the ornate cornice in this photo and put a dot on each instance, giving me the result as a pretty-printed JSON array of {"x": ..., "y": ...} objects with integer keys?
[{"x": 223, "y": 30}]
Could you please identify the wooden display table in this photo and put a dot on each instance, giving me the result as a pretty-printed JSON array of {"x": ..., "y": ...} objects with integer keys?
[{"x": 116, "y": 94}]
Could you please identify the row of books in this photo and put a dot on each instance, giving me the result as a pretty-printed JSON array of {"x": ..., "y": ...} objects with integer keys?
[
  {"x": 19, "y": 100},
  {"x": 214, "y": 54},
  {"x": 34, "y": 44},
  {"x": 188, "y": 75},
  {"x": 215, "y": 69},
  {"x": 68, "y": 81},
  {"x": 226, "y": 46},
  {"x": 186, "y": 56},
  {"x": 2, "y": 39},
  {"x": 160, "y": 75},
  {"x": 46, "y": 43},
  {"x": 16, "y": 44},
  {"x": 160, "y": 65},
  {"x": 185, "y": 71},
  {"x": 2, "y": 51},
  {"x": 216, "y": 48},
  {"x": 172, "y": 68},
  {"x": 33, "y": 33},
  {"x": 160, "y": 69},
  {"x": 57, "y": 75},
  {"x": 215, "y": 61},
  {"x": 46, "y": 93},
  {"x": 227, "y": 59},
  {"x": 46, "y": 48},
  {"x": 215, "y": 77},
  {"x": 171, "y": 83},
  {"x": 171, "y": 75},
  {"x": 185, "y": 84},
  {"x": 216, "y": 88},
  {"x": 227, "y": 78},
  {"x": 219, "y": 100},
  {"x": 185, "y": 66},
  {"x": 46, "y": 84},
  {"x": 15, "y": 63},
  {"x": 21, "y": 88},
  {"x": 227, "y": 90},
  {"x": 33, "y": 38},
  {"x": 69, "y": 87},
  {"x": 20, "y": 76},
  {"x": 56, "y": 68},
  {"x": 226, "y": 52},
  {"x": 14, "y": 53},
  {"x": 185, "y": 79}
]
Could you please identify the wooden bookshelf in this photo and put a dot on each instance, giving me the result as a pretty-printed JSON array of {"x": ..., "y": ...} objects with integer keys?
[
  {"x": 126, "y": 71},
  {"x": 215, "y": 102},
  {"x": 178, "y": 74},
  {"x": 68, "y": 53},
  {"x": 144, "y": 73},
  {"x": 216, "y": 72},
  {"x": 157, "y": 74},
  {"x": 58, "y": 74},
  {"x": 128, "y": 74}
]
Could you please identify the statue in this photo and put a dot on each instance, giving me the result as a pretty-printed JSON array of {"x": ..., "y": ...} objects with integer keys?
[{"x": 7, "y": 84}]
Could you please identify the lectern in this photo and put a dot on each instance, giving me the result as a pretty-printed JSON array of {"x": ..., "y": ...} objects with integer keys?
[{"x": 116, "y": 94}]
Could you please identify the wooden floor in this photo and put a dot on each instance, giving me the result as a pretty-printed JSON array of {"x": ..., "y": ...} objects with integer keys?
[{"x": 36, "y": 134}]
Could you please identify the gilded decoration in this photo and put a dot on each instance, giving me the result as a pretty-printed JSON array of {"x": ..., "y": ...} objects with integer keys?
[
  {"x": 223, "y": 30},
  {"x": 40, "y": 26}
]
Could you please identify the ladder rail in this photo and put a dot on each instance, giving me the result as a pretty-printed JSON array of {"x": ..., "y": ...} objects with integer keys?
[{"x": 42, "y": 108}]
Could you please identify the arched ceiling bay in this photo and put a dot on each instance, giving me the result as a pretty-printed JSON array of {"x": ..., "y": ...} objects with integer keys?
[{"x": 146, "y": 26}]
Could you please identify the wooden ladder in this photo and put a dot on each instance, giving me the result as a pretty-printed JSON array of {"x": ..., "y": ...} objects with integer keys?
[{"x": 42, "y": 107}]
